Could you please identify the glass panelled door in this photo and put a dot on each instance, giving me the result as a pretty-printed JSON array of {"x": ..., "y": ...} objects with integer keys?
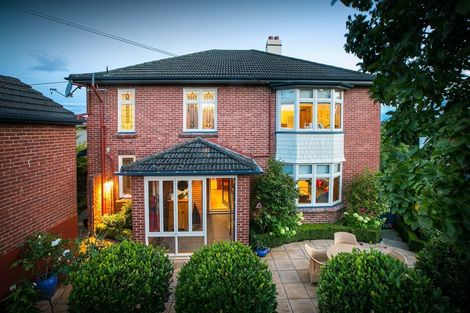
[{"x": 182, "y": 214}]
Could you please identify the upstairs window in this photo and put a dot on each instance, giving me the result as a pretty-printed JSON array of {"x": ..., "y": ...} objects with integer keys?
[
  {"x": 310, "y": 109},
  {"x": 200, "y": 110},
  {"x": 126, "y": 110}
]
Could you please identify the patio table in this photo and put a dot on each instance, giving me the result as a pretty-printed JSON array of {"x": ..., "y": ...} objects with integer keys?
[{"x": 339, "y": 248}]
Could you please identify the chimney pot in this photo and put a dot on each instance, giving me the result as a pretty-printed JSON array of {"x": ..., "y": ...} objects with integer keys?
[
  {"x": 270, "y": 37},
  {"x": 276, "y": 37}
]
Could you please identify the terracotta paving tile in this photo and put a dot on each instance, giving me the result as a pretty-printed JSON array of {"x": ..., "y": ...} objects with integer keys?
[
  {"x": 281, "y": 294},
  {"x": 284, "y": 265},
  {"x": 280, "y": 255},
  {"x": 301, "y": 264},
  {"x": 311, "y": 290},
  {"x": 302, "y": 306},
  {"x": 296, "y": 291},
  {"x": 283, "y": 306},
  {"x": 304, "y": 276}
]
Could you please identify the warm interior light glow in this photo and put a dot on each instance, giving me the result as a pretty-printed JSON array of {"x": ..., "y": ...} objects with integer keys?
[{"x": 108, "y": 186}]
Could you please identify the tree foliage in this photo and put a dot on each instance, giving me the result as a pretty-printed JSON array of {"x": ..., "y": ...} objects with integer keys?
[{"x": 419, "y": 53}]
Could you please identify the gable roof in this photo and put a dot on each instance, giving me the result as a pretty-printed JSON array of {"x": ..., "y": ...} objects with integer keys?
[
  {"x": 193, "y": 157},
  {"x": 19, "y": 102},
  {"x": 227, "y": 66}
]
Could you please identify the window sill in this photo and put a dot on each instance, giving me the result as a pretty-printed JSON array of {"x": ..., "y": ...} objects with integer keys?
[
  {"x": 212, "y": 134},
  {"x": 326, "y": 208},
  {"x": 126, "y": 135},
  {"x": 314, "y": 132}
]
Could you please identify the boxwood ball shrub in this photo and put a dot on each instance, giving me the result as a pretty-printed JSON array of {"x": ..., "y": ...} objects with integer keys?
[
  {"x": 225, "y": 277},
  {"x": 370, "y": 281},
  {"x": 124, "y": 277}
]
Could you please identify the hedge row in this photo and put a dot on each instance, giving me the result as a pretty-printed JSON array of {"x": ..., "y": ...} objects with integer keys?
[
  {"x": 316, "y": 231},
  {"x": 407, "y": 235}
]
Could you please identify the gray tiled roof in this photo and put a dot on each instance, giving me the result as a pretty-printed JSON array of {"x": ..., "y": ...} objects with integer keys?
[
  {"x": 193, "y": 157},
  {"x": 21, "y": 103},
  {"x": 228, "y": 65}
]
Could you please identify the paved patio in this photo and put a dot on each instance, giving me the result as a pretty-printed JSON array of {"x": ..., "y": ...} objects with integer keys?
[{"x": 289, "y": 266}]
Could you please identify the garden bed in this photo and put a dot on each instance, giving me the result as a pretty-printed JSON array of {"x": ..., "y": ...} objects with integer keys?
[
  {"x": 409, "y": 236},
  {"x": 316, "y": 231}
]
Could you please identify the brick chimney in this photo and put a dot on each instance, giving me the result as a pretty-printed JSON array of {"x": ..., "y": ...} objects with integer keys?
[{"x": 274, "y": 45}]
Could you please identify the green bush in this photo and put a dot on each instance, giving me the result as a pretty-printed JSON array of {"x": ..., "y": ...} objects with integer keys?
[
  {"x": 363, "y": 194},
  {"x": 448, "y": 269},
  {"x": 357, "y": 220},
  {"x": 370, "y": 281},
  {"x": 225, "y": 277},
  {"x": 316, "y": 231},
  {"x": 274, "y": 202},
  {"x": 124, "y": 277},
  {"x": 118, "y": 225},
  {"x": 409, "y": 236}
]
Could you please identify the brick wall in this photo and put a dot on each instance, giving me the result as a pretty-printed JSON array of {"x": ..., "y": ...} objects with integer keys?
[
  {"x": 243, "y": 208},
  {"x": 37, "y": 185},
  {"x": 361, "y": 134}
]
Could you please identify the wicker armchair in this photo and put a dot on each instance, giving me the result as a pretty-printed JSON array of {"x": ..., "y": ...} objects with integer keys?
[
  {"x": 397, "y": 255},
  {"x": 317, "y": 259},
  {"x": 345, "y": 238}
]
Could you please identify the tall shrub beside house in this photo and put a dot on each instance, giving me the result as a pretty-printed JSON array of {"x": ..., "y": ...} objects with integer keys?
[
  {"x": 274, "y": 205},
  {"x": 364, "y": 194}
]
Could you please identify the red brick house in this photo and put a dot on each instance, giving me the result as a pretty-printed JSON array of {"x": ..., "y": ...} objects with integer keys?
[
  {"x": 37, "y": 170},
  {"x": 184, "y": 137}
]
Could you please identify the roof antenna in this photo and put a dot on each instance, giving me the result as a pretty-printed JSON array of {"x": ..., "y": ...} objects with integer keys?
[{"x": 106, "y": 70}]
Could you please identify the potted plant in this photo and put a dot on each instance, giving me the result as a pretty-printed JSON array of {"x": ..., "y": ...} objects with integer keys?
[
  {"x": 261, "y": 249},
  {"x": 44, "y": 256}
]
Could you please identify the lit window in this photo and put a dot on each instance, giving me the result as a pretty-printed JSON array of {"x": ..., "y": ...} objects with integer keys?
[
  {"x": 305, "y": 191},
  {"x": 287, "y": 116},
  {"x": 310, "y": 109},
  {"x": 200, "y": 110},
  {"x": 125, "y": 188},
  {"x": 126, "y": 110},
  {"x": 321, "y": 180}
]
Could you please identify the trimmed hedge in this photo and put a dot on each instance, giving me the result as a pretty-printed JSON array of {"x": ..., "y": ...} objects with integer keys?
[
  {"x": 407, "y": 235},
  {"x": 125, "y": 277},
  {"x": 225, "y": 277},
  {"x": 370, "y": 281},
  {"x": 316, "y": 231}
]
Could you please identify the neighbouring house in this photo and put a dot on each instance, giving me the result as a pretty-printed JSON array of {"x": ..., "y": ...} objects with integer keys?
[
  {"x": 184, "y": 137},
  {"x": 81, "y": 130},
  {"x": 37, "y": 170}
]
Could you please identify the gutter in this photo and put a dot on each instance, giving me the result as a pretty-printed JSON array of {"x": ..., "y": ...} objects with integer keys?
[
  {"x": 39, "y": 120},
  {"x": 189, "y": 173}
]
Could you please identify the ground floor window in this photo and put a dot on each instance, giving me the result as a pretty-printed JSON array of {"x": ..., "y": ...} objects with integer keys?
[
  {"x": 125, "y": 188},
  {"x": 183, "y": 213},
  {"x": 318, "y": 184}
]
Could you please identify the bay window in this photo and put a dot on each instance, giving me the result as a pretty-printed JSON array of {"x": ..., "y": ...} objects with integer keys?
[
  {"x": 318, "y": 184},
  {"x": 126, "y": 110},
  {"x": 310, "y": 109},
  {"x": 200, "y": 112}
]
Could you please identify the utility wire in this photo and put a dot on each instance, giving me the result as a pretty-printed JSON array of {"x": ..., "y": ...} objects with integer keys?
[{"x": 88, "y": 29}]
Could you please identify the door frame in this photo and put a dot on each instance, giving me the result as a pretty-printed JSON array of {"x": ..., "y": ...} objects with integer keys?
[{"x": 175, "y": 233}]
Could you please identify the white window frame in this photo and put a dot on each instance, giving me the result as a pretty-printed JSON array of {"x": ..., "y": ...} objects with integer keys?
[
  {"x": 313, "y": 177},
  {"x": 199, "y": 103},
  {"x": 315, "y": 100},
  {"x": 120, "y": 179},
  {"x": 176, "y": 233},
  {"x": 120, "y": 103}
]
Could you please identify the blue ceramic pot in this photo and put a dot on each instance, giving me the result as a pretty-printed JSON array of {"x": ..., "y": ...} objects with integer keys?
[
  {"x": 47, "y": 286},
  {"x": 262, "y": 252}
]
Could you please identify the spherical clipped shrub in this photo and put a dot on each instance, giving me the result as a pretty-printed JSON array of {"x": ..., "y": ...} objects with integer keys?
[
  {"x": 124, "y": 277},
  {"x": 370, "y": 281},
  {"x": 448, "y": 269},
  {"x": 225, "y": 277}
]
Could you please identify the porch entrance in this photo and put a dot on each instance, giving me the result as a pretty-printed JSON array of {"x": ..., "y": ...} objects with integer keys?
[{"x": 184, "y": 213}]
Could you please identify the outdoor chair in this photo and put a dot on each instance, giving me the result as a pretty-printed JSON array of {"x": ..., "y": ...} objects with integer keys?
[
  {"x": 317, "y": 259},
  {"x": 397, "y": 255},
  {"x": 345, "y": 238}
]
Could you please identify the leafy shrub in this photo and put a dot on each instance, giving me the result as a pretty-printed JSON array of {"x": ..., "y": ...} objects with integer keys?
[
  {"x": 363, "y": 194},
  {"x": 22, "y": 298},
  {"x": 274, "y": 205},
  {"x": 81, "y": 183},
  {"x": 225, "y": 277},
  {"x": 448, "y": 269},
  {"x": 409, "y": 236},
  {"x": 315, "y": 231},
  {"x": 124, "y": 277},
  {"x": 362, "y": 221},
  {"x": 118, "y": 225},
  {"x": 370, "y": 281}
]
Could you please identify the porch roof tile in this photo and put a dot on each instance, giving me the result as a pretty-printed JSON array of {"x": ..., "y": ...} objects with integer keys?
[{"x": 194, "y": 157}]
